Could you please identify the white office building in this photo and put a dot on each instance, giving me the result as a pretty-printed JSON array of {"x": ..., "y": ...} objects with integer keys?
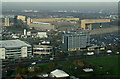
[{"x": 14, "y": 49}]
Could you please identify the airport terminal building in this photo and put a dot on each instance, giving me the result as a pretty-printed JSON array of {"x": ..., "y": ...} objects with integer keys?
[{"x": 14, "y": 49}]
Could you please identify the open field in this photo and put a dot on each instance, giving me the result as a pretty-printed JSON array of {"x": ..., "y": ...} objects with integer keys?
[{"x": 109, "y": 64}]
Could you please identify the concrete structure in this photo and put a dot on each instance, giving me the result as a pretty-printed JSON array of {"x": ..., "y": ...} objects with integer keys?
[
  {"x": 90, "y": 21},
  {"x": 42, "y": 50},
  {"x": 14, "y": 49},
  {"x": 20, "y": 17},
  {"x": 42, "y": 34},
  {"x": 73, "y": 41},
  {"x": 7, "y": 22},
  {"x": 42, "y": 26}
]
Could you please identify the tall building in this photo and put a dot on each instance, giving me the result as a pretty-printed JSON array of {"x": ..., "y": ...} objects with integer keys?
[
  {"x": 7, "y": 22},
  {"x": 14, "y": 49},
  {"x": 73, "y": 41}
]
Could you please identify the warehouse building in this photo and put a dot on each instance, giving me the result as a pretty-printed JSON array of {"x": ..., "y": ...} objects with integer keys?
[
  {"x": 73, "y": 40},
  {"x": 42, "y": 26},
  {"x": 14, "y": 49}
]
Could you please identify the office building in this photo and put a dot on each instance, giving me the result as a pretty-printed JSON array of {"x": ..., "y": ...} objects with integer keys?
[
  {"x": 73, "y": 41},
  {"x": 42, "y": 50},
  {"x": 14, "y": 49}
]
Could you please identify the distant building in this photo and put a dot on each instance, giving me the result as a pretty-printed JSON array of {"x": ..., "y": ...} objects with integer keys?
[
  {"x": 29, "y": 33},
  {"x": 28, "y": 21},
  {"x": 54, "y": 19},
  {"x": 20, "y": 17},
  {"x": 14, "y": 49},
  {"x": 7, "y": 22},
  {"x": 42, "y": 35},
  {"x": 42, "y": 26},
  {"x": 73, "y": 41},
  {"x": 42, "y": 50},
  {"x": 45, "y": 43}
]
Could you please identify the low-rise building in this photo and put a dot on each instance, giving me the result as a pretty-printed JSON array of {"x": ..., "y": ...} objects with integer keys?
[
  {"x": 42, "y": 26},
  {"x": 14, "y": 49},
  {"x": 42, "y": 50},
  {"x": 42, "y": 34}
]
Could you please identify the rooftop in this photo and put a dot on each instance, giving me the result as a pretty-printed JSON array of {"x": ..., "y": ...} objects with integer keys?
[
  {"x": 13, "y": 43},
  {"x": 59, "y": 73}
]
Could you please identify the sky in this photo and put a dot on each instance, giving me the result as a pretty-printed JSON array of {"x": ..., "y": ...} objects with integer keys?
[
  {"x": 60, "y": 5},
  {"x": 60, "y": 0}
]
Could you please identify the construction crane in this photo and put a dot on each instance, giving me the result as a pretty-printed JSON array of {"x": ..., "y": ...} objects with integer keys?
[{"x": 89, "y": 22}]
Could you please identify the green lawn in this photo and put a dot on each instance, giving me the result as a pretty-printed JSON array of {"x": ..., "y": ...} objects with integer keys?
[{"x": 110, "y": 64}]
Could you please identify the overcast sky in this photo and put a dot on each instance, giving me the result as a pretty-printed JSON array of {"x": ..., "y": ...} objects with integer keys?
[
  {"x": 61, "y": 5},
  {"x": 60, "y": 0}
]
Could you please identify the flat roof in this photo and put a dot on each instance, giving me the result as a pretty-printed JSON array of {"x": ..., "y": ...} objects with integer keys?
[
  {"x": 40, "y": 23},
  {"x": 42, "y": 46},
  {"x": 13, "y": 44}
]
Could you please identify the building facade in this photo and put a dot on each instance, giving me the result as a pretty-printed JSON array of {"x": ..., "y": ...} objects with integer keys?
[
  {"x": 14, "y": 49},
  {"x": 42, "y": 50},
  {"x": 73, "y": 41}
]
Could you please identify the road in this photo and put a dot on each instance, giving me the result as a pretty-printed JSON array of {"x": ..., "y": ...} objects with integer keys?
[{"x": 13, "y": 64}]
